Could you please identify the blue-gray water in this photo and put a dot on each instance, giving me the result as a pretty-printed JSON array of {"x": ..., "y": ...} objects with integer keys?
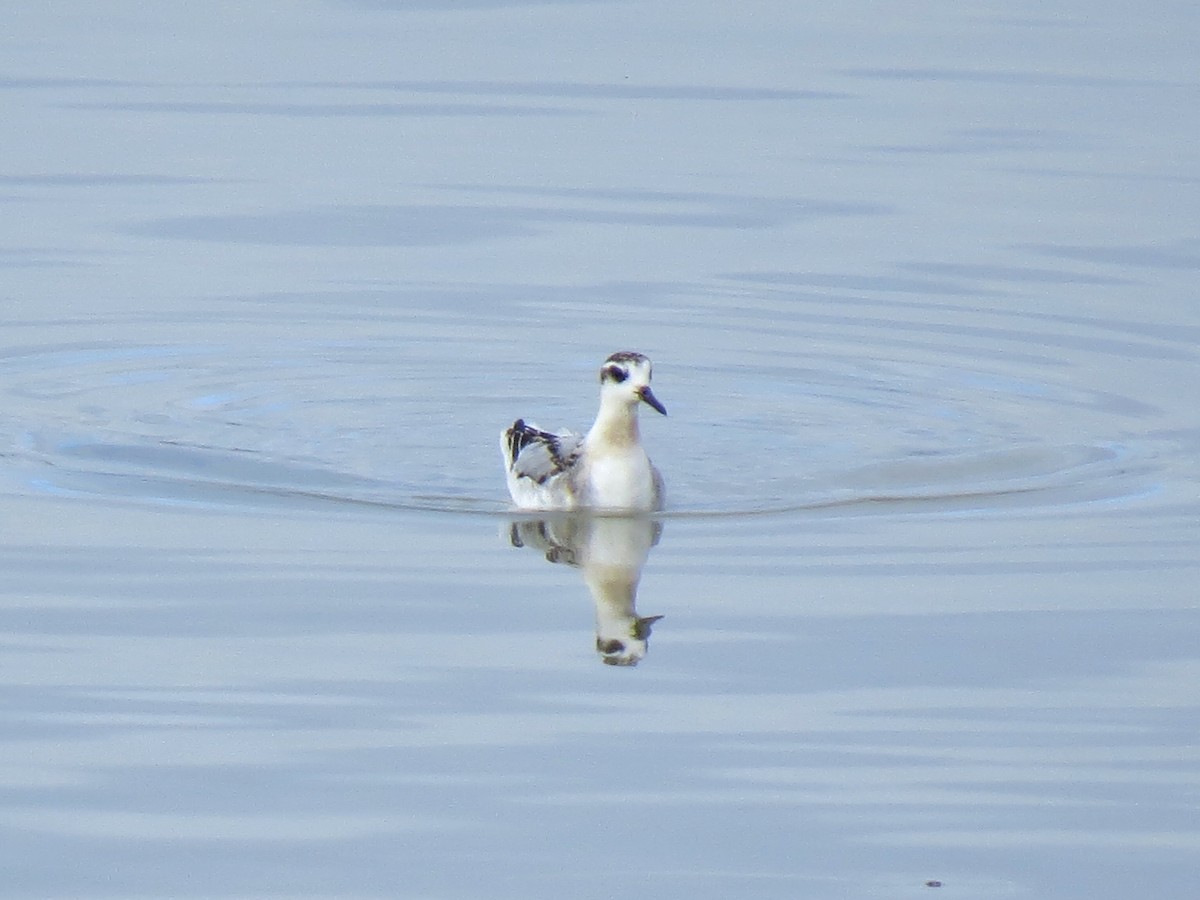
[{"x": 920, "y": 286}]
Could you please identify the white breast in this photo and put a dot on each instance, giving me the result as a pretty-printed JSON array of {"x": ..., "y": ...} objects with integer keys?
[{"x": 622, "y": 480}]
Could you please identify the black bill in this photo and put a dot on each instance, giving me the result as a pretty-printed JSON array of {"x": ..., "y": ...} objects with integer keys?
[{"x": 649, "y": 399}]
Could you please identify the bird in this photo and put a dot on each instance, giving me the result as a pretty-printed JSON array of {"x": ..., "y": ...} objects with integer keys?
[
  {"x": 611, "y": 551},
  {"x": 606, "y": 469}
]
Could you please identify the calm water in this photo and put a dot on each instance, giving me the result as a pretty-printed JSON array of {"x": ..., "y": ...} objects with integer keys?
[{"x": 920, "y": 289}]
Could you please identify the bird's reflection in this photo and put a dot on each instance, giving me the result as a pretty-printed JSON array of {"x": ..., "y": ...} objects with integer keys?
[{"x": 610, "y": 551}]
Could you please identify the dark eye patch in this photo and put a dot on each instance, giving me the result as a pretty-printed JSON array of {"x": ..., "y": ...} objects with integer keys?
[{"x": 616, "y": 374}]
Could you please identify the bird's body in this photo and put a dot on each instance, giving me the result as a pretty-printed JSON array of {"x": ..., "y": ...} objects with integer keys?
[{"x": 606, "y": 469}]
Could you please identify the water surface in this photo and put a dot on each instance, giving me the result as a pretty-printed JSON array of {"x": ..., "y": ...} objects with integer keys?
[{"x": 920, "y": 291}]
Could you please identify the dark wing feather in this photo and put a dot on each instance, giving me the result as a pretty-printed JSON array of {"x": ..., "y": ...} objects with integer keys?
[{"x": 538, "y": 454}]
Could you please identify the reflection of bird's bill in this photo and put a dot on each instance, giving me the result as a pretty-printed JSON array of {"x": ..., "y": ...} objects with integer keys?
[
  {"x": 641, "y": 626},
  {"x": 650, "y": 400}
]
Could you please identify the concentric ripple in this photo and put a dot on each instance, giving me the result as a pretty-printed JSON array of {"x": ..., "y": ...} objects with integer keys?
[{"x": 780, "y": 399}]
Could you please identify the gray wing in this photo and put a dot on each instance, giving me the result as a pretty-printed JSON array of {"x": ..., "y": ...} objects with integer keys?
[
  {"x": 540, "y": 455},
  {"x": 660, "y": 496}
]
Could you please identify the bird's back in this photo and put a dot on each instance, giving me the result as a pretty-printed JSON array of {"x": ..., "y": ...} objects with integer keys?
[{"x": 539, "y": 464}]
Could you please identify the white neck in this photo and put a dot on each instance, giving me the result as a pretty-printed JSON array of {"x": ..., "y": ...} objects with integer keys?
[{"x": 616, "y": 424}]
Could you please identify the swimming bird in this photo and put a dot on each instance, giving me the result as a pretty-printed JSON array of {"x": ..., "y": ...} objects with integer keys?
[{"x": 606, "y": 469}]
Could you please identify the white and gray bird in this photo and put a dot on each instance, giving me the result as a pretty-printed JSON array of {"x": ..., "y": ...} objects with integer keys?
[{"x": 607, "y": 469}]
